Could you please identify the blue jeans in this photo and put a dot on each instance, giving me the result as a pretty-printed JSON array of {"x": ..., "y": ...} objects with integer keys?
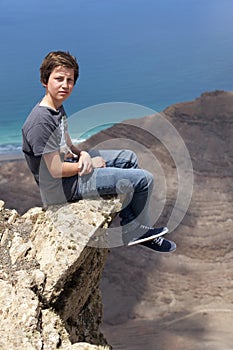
[{"x": 120, "y": 177}]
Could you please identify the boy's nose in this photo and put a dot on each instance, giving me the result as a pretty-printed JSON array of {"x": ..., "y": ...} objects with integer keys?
[{"x": 65, "y": 83}]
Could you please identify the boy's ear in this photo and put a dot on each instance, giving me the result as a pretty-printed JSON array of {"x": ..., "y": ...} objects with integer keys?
[{"x": 44, "y": 84}]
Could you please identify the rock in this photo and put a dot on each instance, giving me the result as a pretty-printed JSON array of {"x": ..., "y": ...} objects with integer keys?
[
  {"x": 49, "y": 281},
  {"x": 1, "y": 205},
  {"x": 19, "y": 315},
  {"x": 59, "y": 237},
  {"x": 18, "y": 248}
]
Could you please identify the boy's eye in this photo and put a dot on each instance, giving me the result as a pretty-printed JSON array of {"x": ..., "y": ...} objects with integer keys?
[{"x": 70, "y": 80}]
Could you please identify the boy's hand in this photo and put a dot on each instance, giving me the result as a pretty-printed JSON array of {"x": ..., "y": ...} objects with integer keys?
[
  {"x": 98, "y": 162},
  {"x": 85, "y": 164}
]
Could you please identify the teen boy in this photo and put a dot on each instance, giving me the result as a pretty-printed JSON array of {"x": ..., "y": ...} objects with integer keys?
[{"x": 46, "y": 143}]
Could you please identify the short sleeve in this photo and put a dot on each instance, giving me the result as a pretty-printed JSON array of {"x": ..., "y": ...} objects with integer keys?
[{"x": 44, "y": 138}]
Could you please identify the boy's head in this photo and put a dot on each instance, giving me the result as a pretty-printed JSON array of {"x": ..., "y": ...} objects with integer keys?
[{"x": 56, "y": 59}]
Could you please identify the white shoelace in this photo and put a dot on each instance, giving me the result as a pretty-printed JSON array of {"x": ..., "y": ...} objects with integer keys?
[
  {"x": 158, "y": 241},
  {"x": 144, "y": 227}
]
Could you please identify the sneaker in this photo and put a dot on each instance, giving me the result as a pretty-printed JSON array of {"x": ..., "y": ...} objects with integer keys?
[
  {"x": 160, "y": 245},
  {"x": 149, "y": 234}
]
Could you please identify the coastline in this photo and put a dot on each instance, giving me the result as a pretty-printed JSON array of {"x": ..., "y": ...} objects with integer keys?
[{"x": 11, "y": 156}]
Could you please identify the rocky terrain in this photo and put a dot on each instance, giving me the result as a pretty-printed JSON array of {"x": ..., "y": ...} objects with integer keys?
[
  {"x": 184, "y": 300},
  {"x": 49, "y": 276}
]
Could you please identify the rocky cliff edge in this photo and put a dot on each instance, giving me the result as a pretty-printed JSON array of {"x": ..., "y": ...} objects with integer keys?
[{"x": 49, "y": 276}]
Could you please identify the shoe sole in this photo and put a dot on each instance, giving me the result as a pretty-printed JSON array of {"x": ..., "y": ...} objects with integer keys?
[{"x": 138, "y": 241}]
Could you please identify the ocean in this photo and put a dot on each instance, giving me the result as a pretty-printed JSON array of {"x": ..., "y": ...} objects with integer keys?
[{"x": 150, "y": 53}]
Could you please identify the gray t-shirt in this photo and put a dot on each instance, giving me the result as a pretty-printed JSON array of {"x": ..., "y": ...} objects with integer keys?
[{"x": 44, "y": 132}]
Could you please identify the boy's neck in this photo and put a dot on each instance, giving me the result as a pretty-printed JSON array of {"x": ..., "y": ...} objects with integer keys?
[{"x": 46, "y": 102}]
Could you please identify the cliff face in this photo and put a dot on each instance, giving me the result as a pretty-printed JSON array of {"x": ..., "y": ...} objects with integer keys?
[
  {"x": 206, "y": 126},
  {"x": 184, "y": 299},
  {"x": 49, "y": 276}
]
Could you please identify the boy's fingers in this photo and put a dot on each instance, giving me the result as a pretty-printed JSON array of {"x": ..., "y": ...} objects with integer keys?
[{"x": 86, "y": 168}]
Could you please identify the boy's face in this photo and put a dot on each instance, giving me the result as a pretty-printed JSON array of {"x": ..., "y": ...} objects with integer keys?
[{"x": 60, "y": 85}]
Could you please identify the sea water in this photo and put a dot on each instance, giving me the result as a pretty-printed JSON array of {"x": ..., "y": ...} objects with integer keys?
[{"x": 151, "y": 53}]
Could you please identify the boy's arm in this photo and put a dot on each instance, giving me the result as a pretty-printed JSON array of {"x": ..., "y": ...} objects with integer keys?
[
  {"x": 59, "y": 169},
  {"x": 85, "y": 161},
  {"x": 74, "y": 149}
]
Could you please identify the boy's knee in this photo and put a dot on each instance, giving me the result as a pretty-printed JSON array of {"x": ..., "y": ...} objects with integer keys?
[{"x": 149, "y": 178}]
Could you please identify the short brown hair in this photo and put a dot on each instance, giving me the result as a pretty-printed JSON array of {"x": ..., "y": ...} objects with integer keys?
[{"x": 55, "y": 59}]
